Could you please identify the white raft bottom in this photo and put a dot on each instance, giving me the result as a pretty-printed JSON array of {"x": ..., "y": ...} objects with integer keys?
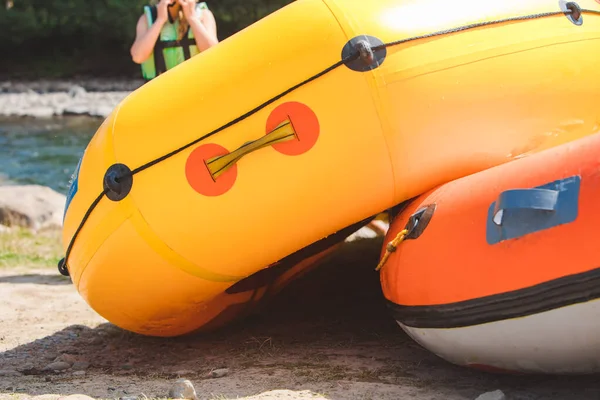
[{"x": 561, "y": 341}]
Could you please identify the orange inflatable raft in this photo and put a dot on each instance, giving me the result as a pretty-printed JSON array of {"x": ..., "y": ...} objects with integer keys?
[{"x": 501, "y": 269}]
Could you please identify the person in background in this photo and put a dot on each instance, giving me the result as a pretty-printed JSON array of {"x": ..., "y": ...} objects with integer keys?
[{"x": 171, "y": 32}]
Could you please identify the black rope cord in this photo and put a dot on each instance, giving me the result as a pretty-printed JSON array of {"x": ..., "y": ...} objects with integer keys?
[
  {"x": 359, "y": 51},
  {"x": 62, "y": 265},
  {"x": 480, "y": 24}
]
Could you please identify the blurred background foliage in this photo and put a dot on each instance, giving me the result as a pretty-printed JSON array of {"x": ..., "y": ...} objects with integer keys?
[{"x": 70, "y": 38}]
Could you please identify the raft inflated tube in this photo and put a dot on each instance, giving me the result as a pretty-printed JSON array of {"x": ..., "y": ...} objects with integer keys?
[
  {"x": 500, "y": 270},
  {"x": 288, "y": 132}
]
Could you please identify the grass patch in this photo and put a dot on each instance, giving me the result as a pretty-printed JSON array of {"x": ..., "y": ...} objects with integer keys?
[{"x": 23, "y": 248}]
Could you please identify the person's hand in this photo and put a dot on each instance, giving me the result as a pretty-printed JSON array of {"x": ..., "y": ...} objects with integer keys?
[
  {"x": 189, "y": 8},
  {"x": 163, "y": 11}
]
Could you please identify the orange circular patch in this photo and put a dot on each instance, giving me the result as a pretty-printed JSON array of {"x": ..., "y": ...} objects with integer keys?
[
  {"x": 198, "y": 175},
  {"x": 306, "y": 126}
]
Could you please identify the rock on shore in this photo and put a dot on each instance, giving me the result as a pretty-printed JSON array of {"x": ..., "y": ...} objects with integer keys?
[
  {"x": 53, "y": 85},
  {"x": 31, "y": 206},
  {"x": 45, "y": 99},
  {"x": 75, "y": 102}
]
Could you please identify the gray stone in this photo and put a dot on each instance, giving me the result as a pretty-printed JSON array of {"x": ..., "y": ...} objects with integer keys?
[
  {"x": 58, "y": 366},
  {"x": 495, "y": 395},
  {"x": 219, "y": 373},
  {"x": 31, "y": 206},
  {"x": 183, "y": 389}
]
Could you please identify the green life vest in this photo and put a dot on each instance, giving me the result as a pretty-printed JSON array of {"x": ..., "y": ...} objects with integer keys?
[{"x": 168, "y": 52}]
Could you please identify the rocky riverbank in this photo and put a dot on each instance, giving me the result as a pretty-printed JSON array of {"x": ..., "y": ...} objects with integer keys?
[
  {"x": 46, "y": 98},
  {"x": 52, "y": 86}
]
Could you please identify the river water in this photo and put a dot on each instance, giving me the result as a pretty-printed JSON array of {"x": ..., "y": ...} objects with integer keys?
[{"x": 43, "y": 151}]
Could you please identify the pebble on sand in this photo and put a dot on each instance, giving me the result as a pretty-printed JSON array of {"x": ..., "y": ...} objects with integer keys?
[
  {"x": 495, "y": 395},
  {"x": 76, "y": 397},
  {"x": 218, "y": 373},
  {"x": 57, "y": 366},
  {"x": 183, "y": 389}
]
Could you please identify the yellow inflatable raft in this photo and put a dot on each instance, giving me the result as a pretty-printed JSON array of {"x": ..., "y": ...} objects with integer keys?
[{"x": 315, "y": 118}]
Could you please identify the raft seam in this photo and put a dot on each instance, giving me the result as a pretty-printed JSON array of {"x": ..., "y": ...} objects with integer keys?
[
  {"x": 492, "y": 57},
  {"x": 220, "y": 277},
  {"x": 373, "y": 81},
  {"x": 98, "y": 249}
]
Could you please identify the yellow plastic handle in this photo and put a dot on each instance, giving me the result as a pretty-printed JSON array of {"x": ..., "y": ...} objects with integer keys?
[{"x": 282, "y": 133}]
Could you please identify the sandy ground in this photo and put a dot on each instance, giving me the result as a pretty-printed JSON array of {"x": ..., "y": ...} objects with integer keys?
[{"x": 327, "y": 336}]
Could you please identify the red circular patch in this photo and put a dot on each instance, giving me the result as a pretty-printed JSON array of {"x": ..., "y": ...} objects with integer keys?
[
  {"x": 306, "y": 126},
  {"x": 198, "y": 175}
]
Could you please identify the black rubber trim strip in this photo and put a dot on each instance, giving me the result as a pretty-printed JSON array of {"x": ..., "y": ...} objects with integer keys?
[
  {"x": 267, "y": 276},
  {"x": 561, "y": 292}
]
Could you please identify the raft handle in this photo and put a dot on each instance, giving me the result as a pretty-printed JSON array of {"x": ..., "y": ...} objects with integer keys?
[
  {"x": 520, "y": 212},
  {"x": 417, "y": 222},
  {"x": 414, "y": 227},
  {"x": 543, "y": 200},
  {"x": 282, "y": 133}
]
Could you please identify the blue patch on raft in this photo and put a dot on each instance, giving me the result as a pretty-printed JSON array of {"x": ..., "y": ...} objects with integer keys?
[
  {"x": 520, "y": 212},
  {"x": 73, "y": 188}
]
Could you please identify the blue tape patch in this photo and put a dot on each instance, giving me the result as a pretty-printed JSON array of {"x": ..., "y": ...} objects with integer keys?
[
  {"x": 73, "y": 188},
  {"x": 519, "y": 212}
]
